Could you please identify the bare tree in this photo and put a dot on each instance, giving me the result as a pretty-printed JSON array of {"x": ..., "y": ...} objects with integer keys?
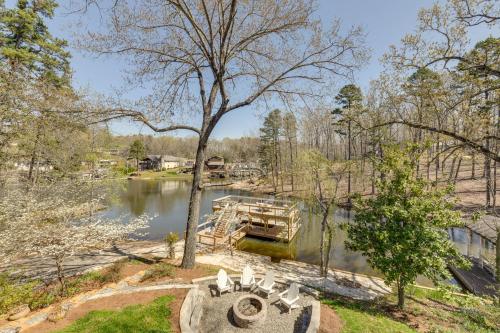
[{"x": 206, "y": 58}]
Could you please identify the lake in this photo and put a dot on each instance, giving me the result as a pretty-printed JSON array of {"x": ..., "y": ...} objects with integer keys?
[{"x": 167, "y": 202}]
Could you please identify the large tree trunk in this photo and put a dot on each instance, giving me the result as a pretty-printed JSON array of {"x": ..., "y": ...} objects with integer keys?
[
  {"x": 401, "y": 295},
  {"x": 324, "y": 222},
  {"x": 188, "y": 260},
  {"x": 331, "y": 232}
]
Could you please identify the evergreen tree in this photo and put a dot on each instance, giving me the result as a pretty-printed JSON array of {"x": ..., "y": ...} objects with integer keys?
[
  {"x": 30, "y": 52},
  {"x": 349, "y": 98},
  {"x": 269, "y": 150},
  {"x": 137, "y": 151},
  {"x": 27, "y": 45},
  {"x": 290, "y": 134}
]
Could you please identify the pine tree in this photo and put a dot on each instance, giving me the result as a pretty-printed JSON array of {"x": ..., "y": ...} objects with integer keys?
[
  {"x": 349, "y": 98},
  {"x": 28, "y": 46},
  {"x": 29, "y": 50},
  {"x": 137, "y": 151},
  {"x": 269, "y": 149}
]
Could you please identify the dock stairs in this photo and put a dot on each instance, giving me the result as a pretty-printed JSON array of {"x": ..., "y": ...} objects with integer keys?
[{"x": 226, "y": 218}]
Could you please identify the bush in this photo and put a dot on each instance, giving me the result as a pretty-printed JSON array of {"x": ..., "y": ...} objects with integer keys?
[
  {"x": 123, "y": 170},
  {"x": 14, "y": 292},
  {"x": 158, "y": 271},
  {"x": 113, "y": 272},
  {"x": 170, "y": 241}
]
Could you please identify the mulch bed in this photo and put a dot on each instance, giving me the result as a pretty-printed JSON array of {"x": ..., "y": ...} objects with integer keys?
[{"x": 330, "y": 321}]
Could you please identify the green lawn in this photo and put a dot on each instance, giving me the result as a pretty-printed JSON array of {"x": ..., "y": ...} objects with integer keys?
[
  {"x": 167, "y": 174},
  {"x": 357, "y": 319},
  {"x": 433, "y": 310},
  {"x": 148, "y": 318}
]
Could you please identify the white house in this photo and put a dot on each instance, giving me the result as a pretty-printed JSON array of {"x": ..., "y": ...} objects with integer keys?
[{"x": 160, "y": 162}]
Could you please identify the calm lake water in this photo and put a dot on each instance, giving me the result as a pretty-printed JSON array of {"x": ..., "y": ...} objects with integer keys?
[{"x": 167, "y": 202}]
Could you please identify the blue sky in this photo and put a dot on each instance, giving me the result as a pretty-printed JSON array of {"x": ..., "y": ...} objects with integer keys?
[{"x": 385, "y": 22}]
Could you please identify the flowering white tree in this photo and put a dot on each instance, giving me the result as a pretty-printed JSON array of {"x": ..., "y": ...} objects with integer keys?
[{"x": 47, "y": 222}]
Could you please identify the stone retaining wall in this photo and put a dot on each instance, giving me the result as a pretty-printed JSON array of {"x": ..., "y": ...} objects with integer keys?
[{"x": 191, "y": 311}]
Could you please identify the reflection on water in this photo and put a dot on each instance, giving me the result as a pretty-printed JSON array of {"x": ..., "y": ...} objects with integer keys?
[
  {"x": 167, "y": 201},
  {"x": 305, "y": 246}
]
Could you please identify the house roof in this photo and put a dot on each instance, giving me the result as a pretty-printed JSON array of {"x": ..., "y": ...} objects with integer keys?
[
  {"x": 163, "y": 158},
  {"x": 170, "y": 158}
]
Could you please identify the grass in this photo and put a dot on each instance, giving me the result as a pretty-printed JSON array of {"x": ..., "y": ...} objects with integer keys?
[
  {"x": 169, "y": 174},
  {"x": 426, "y": 310},
  {"x": 148, "y": 318},
  {"x": 455, "y": 312},
  {"x": 359, "y": 317}
]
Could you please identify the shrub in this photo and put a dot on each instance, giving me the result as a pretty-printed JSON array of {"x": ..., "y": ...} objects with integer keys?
[
  {"x": 113, "y": 272},
  {"x": 158, "y": 271},
  {"x": 123, "y": 170},
  {"x": 170, "y": 241},
  {"x": 14, "y": 292}
]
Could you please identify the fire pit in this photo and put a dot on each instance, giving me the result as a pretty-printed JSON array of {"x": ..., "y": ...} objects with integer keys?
[{"x": 249, "y": 311}]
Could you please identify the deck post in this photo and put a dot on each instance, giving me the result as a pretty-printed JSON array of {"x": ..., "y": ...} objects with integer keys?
[{"x": 288, "y": 224}]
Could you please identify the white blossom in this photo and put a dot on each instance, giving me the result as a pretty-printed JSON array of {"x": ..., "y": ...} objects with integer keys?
[{"x": 53, "y": 222}]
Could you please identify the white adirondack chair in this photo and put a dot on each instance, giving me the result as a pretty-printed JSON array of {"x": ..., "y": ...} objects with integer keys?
[
  {"x": 247, "y": 279},
  {"x": 289, "y": 297},
  {"x": 224, "y": 282},
  {"x": 266, "y": 284}
]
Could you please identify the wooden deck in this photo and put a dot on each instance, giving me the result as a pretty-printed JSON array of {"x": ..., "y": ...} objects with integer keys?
[
  {"x": 477, "y": 280},
  {"x": 235, "y": 217}
]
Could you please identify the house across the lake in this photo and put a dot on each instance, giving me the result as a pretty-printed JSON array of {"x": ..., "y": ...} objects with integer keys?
[
  {"x": 215, "y": 163},
  {"x": 160, "y": 162},
  {"x": 216, "y": 167}
]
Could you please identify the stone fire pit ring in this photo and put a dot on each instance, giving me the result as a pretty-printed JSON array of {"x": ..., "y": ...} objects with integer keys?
[{"x": 249, "y": 311}]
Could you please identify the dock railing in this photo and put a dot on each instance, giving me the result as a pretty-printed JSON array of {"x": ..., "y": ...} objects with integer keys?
[{"x": 281, "y": 209}]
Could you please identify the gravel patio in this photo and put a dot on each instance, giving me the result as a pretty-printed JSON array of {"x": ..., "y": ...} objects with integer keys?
[{"x": 218, "y": 314}]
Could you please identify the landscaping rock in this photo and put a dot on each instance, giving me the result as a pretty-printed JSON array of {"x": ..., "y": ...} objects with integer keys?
[
  {"x": 36, "y": 319},
  {"x": 11, "y": 330},
  {"x": 19, "y": 312},
  {"x": 135, "y": 279},
  {"x": 122, "y": 284},
  {"x": 59, "y": 313}
]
